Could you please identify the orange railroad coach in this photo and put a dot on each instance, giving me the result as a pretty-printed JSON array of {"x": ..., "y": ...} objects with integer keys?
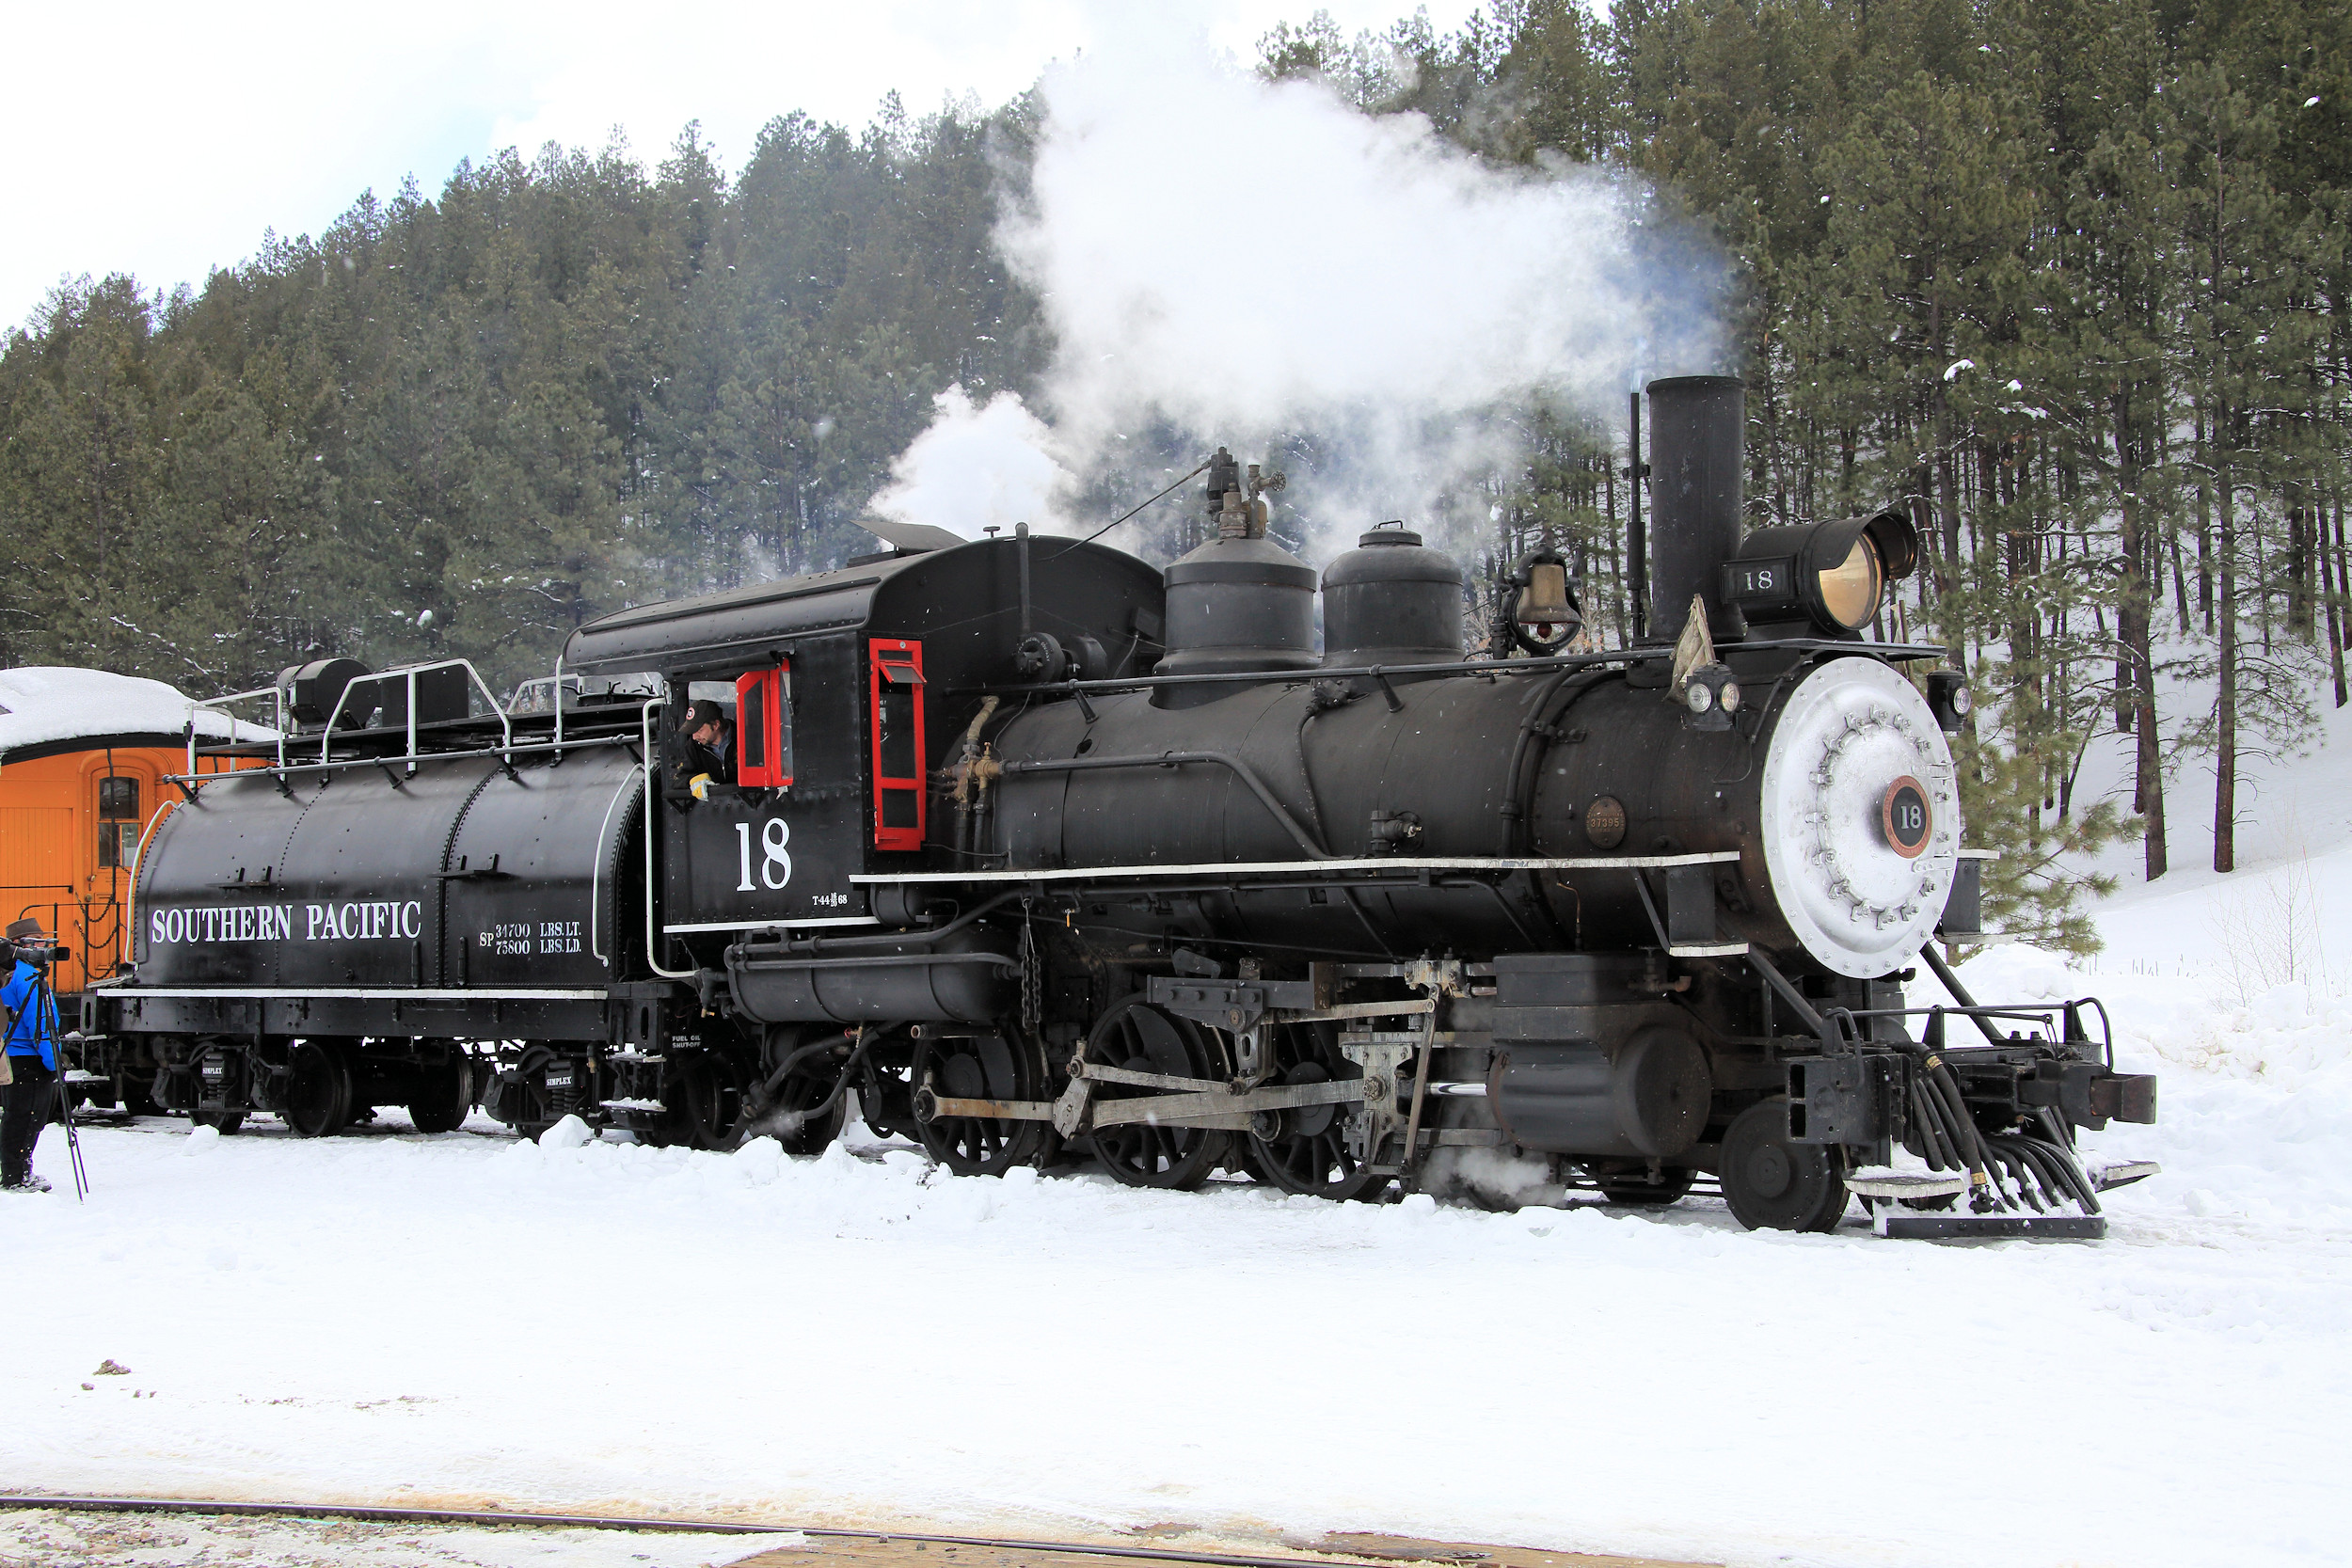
[{"x": 83, "y": 759}]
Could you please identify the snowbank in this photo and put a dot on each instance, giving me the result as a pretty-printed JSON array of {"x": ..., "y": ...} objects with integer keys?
[{"x": 39, "y": 705}]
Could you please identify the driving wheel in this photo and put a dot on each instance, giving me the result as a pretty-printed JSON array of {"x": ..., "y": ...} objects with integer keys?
[
  {"x": 997, "y": 1065},
  {"x": 1304, "y": 1149},
  {"x": 1137, "y": 1035}
]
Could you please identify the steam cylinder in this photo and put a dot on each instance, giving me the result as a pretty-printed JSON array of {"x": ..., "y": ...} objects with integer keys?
[
  {"x": 1240, "y": 604},
  {"x": 1695, "y": 423},
  {"x": 1391, "y": 600}
]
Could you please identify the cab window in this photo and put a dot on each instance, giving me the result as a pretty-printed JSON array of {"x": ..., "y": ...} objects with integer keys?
[
  {"x": 896, "y": 695},
  {"x": 763, "y": 728},
  {"x": 682, "y": 758}
]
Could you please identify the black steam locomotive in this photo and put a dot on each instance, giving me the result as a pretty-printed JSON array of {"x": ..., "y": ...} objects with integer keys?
[{"x": 1041, "y": 851}]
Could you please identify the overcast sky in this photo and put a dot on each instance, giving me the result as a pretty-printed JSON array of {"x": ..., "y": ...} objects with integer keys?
[{"x": 162, "y": 140}]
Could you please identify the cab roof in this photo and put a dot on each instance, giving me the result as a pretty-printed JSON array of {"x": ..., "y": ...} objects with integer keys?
[{"x": 747, "y": 624}]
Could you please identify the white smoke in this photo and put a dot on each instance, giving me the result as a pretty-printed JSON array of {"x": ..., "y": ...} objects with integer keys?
[
  {"x": 1237, "y": 262},
  {"x": 976, "y": 467}
]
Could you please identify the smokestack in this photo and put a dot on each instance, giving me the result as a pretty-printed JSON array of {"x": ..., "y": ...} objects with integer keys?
[{"x": 1696, "y": 423}]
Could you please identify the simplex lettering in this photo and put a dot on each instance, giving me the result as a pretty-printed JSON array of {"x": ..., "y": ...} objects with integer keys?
[{"x": 353, "y": 922}]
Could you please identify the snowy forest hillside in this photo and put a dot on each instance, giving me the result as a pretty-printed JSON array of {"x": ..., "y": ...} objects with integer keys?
[{"x": 2067, "y": 279}]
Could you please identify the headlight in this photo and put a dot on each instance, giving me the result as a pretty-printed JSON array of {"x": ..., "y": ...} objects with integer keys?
[
  {"x": 1832, "y": 577},
  {"x": 1698, "y": 696},
  {"x": 1849, "y": 592}
]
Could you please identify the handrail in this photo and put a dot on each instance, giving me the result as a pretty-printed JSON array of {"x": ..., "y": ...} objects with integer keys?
[
  {"x": 653, "y": 819},
  {"x": 326, "y": 735},
  {"x": 528, "y": 748},
  {"x": 595, "y": 875},
  {"x": 1656, "y": 653},
  {"x": 196, "y": 704},
  {"x": 556, "y": 683}
]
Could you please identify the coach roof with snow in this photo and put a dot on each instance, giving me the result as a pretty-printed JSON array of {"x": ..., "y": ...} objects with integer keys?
[{"x": 46, "y": 711}]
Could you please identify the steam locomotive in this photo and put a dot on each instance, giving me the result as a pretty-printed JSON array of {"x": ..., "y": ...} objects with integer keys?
[{"x": 1040, "y": 852}]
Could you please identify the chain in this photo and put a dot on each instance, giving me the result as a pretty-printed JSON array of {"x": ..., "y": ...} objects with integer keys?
[{"x": 1032, "y": 985}]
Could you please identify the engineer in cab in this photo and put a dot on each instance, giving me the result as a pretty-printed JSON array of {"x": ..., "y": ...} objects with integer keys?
[{"x": 710, "y": 745}]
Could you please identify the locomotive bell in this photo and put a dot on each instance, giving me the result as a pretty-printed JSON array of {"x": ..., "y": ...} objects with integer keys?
[{"x": 1544, "y": 602}]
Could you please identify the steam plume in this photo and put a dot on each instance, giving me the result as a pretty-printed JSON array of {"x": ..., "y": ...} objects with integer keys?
[{"x": 1232, "y": 261}]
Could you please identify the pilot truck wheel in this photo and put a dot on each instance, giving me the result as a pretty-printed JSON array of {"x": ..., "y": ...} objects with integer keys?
[{"x": 1774, "y": 1184}]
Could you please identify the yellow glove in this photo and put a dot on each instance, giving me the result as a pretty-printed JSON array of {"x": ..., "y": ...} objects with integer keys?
[{"x": 700, "y": 785}]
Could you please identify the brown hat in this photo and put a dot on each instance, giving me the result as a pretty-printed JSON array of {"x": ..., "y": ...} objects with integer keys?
[
  {"x": 26, "y": 928},
  {"x": 700, "y": 712}
]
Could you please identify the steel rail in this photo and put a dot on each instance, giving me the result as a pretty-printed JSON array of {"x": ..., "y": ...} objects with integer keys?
[{"x": 599, "y": 1521}]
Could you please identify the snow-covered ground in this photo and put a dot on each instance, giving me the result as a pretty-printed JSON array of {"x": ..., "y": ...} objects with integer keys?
[{"x": 384, "y": 1317}]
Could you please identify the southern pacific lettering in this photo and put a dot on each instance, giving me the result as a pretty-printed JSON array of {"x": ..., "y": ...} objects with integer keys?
[{"x": 367, "y": 921}]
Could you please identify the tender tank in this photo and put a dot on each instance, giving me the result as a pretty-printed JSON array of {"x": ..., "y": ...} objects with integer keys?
[
  {"x": 462, "y": 874},
  {"x": 1391, "y": 600}
]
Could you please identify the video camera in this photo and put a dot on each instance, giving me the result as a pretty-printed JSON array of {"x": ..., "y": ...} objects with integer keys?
[{"x": 41, "y": 955}]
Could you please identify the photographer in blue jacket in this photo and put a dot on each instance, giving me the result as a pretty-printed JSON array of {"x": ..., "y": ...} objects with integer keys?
[{"x": 32, "y": 1055}]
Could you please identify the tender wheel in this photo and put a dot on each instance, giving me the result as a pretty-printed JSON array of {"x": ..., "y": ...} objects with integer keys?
[
  {"x": 1773, "y": 1185},
  {"x": 138, "y": 1095},
  {"x": 988, "y": 1067},
  {"x": 1305, "y": 1151},
  {"x": 223, "y": 1122},
  {"x": 1138, "y": 1036},
  {"x": 444, "y": 1093},
  {"x": 319, "y": 1089},
  {"x": 705, "y": 1100},
  {"x": 1637, "y": 1190}
]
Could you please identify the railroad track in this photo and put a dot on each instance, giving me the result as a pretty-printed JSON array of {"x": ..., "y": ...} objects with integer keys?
[{"x": 869, "y": 1544}]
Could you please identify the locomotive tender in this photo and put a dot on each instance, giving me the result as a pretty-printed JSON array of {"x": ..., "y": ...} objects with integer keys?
[{"x": 1036, "y": 848}]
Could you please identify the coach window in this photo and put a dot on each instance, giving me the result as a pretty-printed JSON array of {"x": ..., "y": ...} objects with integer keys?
[
  {"x": 896, "y": 716},
  {"x": 763, "y": 728},
  {"x": 117, "y": 822}
]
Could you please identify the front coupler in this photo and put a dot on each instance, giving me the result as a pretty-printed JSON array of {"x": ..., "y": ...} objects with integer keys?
[{"x": 1989, "y": 1125}]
